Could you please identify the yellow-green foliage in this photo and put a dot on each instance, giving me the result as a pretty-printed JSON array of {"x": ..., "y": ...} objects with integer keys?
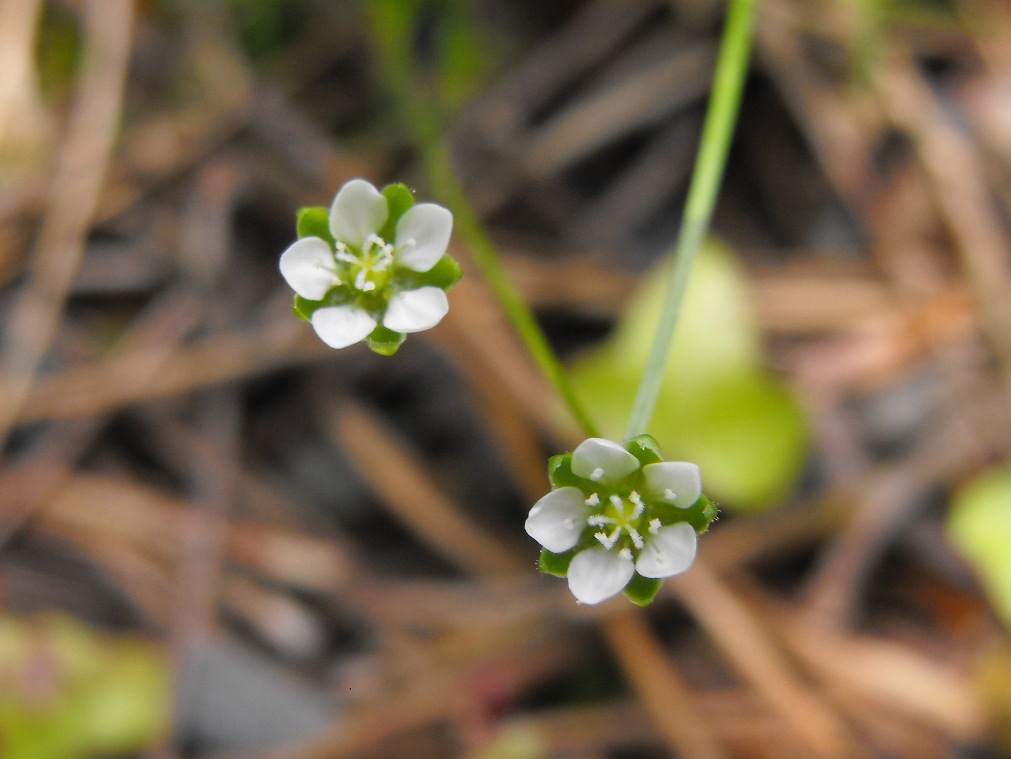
[
  {"x": 980, "y": 525},
  {"x": 70, "y": 692},
  {"x": 718, "y": 406}
]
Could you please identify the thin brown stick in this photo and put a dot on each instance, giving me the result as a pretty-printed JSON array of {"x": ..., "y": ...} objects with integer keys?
[
  {"x": 753, "y": 653},
  {"x": 668, "y": 700},
  {"x": 76, "y": 187},
  {"x": 414, "y": 499}
]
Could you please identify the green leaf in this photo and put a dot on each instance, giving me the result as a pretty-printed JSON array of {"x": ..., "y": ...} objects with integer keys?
[
  {"x": 398, "y": 200},
  {"x": 979, "y": 523},
  {"x": 556, "y": 564},
  {"x": 444, "y": 274},
  {"x": 646, "y": 449},
  {"x": 385, "y": 341},
  {"x": 314, "y": 222},
  {"x": 718, "y": 405},
  {"x": 642, "y": 590}
]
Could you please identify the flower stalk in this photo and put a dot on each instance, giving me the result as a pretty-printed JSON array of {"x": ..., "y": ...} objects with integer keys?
[
  {"x": 393, "y": 35},
  {"x": 717, "y": 133}
]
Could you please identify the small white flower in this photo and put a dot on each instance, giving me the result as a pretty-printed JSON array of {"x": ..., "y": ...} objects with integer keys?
[
  {"x": 615, "y": 502},
  {"x": 369, "y": 265}
]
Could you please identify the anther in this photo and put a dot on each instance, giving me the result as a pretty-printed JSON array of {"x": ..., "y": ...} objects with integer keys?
[
  {"x": 654, "y": 526},
  {"x": 593, "y": 500},
  {"x": 669, "y": 494},
  {"x": 625, "y": 554},
  {"x": 637, "y": 540},
  {"x": 597, "y": 474},
  {"x": 616, "y": 502},
  {"x": 637, "y": 502},
  {"x": 607, "y": 541}
]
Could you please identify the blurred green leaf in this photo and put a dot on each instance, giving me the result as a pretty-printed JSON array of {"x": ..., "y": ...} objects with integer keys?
[
  {"x": 71, "y": 692},
  {"x": 979, "y": 523},
  {"x": 718, "y": 406}
]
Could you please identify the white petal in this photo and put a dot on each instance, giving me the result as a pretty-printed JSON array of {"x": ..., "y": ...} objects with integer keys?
[
  {"x": 671, "y": 551},
  {"x": 415, "y": 310},
  {"x": 308, "y": 267},
  {"x": 558, "y": 519},
  {"x": 602, "y": 460},
  {"x": 422, "y": 236},
  {"x": 682, "y": 478},
  {"x": 359, "y": 210},
  {"x": 341, "y": 326},
  {"x": 596, "y": 574}
]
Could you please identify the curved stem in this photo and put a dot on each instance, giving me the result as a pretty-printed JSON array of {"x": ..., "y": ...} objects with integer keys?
[
  {"x": 728, "y": 84},
  {"x": 392, "y": 30}
]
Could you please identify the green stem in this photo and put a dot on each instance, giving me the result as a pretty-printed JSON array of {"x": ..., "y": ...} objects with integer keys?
[
  {"x": 392, "y": 29},
  {"x": 728, "y": 83}
]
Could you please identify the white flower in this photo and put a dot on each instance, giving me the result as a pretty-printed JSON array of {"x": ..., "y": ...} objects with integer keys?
[
  {"x": 368, "y": 267},
  {"x": 618, "y": 503}
]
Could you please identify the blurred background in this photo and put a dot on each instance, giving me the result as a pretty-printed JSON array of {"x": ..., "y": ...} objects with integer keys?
[{"x": 220, "y": 538}]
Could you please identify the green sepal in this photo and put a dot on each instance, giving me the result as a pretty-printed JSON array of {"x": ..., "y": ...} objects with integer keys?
[
  {"x": 304, "y": 308},
  {"x": 338, "y": 295},
  {"x": 556, "y": 564},
  {"x": 560, "y": 471},
  {"x": 701, "y": 514},
  {"x": 398, "y": 200},
  {"x": 385, "y": 341},
  {"x": 642, "y": 590},
  {"x": 444, "y": 274},
  {"x": 645, "y": 448},
  {"x": 314, "y": 222}
]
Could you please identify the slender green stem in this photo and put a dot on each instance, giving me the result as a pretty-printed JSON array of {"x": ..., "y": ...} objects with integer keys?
[
  {"x": 728, "y": 83},
  {"x": 392, "y": 29}
]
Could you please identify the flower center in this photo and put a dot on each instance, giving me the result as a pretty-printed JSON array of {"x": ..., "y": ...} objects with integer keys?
[
  {"x": 369, "y": 269},
  {"x": 619, "y": 521}
]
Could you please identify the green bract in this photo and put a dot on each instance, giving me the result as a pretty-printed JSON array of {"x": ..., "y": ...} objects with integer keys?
[
  {"x": 619, "y": 519},
  {"x": 372, "y": 267}
]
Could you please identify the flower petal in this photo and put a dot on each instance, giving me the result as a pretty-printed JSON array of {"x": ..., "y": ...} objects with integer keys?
[
  {"x": 416, "y": 310},
  {"x": 558, "y": 519},
  {"x": 681, "y": 478},
  {"x": 596, "y": 574},
  {"x": 359, "y": 210},
  {"x": 341, "y": 326},
  {"x": 670, "y": 552},
  {"x": 422, "y": 236},
  {"x": 308, "y": 267},
  {"x": 602, "y": 461}
]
